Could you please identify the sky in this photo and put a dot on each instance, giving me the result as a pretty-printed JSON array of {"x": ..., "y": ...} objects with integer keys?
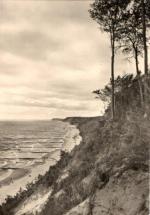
[{"x": 52, "y": 56}]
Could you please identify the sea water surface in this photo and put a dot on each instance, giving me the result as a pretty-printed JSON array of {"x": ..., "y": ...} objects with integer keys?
[{"x": 28, "y": 149}]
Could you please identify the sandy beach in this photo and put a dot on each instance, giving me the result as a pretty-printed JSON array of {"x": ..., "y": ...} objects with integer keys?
[
  {"x": 14, "y": 175},
  {"x": 15, "y": 179}
]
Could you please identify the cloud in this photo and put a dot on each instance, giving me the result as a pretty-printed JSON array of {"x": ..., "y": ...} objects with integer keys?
[
  {"x": 52, "y": 56},
  {"x": 30, "y": 44}
]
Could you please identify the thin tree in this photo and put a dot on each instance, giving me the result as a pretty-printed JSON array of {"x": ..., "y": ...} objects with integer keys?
[
  {"x": 108, "y": 14},
  {"x": 131, "y": 39},
  {"x": 143, "y": 7},
  {"x": 144, "y": 13}
]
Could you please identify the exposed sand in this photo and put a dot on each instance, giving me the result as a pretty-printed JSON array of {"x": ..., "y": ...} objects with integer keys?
[
  {"x": 72, "y": 138},
  {"x": 34, "y": 203},
  {"x": 19, "y": 178},
  {"x": 82, "y": 208},
  {"x": 4, "y": 174},
  {"x": 14, "y": 175},
  {"x": 12, "y": 188}
]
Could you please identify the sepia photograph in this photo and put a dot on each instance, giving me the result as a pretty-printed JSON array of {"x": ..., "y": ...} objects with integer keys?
[{"x": 74, "y": 107}]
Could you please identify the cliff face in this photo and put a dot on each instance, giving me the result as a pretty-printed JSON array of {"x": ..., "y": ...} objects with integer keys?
[
  {"x": 108, "y": 171},
  {"x": 107, "y": 174},
  {"x": 127, "y": 194}
]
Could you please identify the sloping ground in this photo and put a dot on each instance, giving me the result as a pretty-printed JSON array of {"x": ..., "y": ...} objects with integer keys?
[
  {"x": 126, "y": 195},
  {"x": 108, "y": 171},
  {"x": 107, "y": 174},
  {"x": 33, "y": 203},
  {"x": 31, "y": 199},
  {"x": 83, "y": 208}
]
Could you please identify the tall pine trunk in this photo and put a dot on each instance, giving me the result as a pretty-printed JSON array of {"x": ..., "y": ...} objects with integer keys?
[
  {"x": 144, "y": 38},
  {"x": 136, "y": 61},
  {"x": 112, "y": 73},
  {"x": 138, "y": 75},
  {"x": 146, "y": 106}
]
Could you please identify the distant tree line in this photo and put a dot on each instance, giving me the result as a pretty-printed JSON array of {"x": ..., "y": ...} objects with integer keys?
[{"x": 127, "y": 23}]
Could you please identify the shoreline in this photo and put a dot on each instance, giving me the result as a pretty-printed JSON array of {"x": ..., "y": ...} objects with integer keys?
[
  {"x": 31, "y": 174},
  {"x": 14, "y": 175}
]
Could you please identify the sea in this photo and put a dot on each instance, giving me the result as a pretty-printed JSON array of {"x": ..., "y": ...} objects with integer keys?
[{"x": 29, "y": 148}]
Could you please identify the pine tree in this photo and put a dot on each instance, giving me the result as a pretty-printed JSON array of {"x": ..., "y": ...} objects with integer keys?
[{"x": 108, "y": 14}]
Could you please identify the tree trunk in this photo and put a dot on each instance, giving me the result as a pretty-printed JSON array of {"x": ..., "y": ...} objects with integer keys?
[
  {"x": 141, "y": 91},
  {"x": 136, "y": 61},
  {"x": 144, "y": 38},
  {"x": 112, "y": 74},
  {"x": 146, "y": 108},
  {"x": 138, "y": 76}
]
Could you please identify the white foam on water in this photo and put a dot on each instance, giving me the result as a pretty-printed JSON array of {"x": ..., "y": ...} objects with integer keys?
[{"x": 36, "y": 158}]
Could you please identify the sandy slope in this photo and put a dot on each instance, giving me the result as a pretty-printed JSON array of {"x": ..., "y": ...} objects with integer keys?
[
  {"x": 37, "y": 200},
  {"x": 34, "y": 203},
  {"x": 14, "y": 187}
]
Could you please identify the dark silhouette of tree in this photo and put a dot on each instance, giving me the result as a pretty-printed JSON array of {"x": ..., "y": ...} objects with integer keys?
[
  {"x": 145, "y": 5},
  {"x": 127, "y": 93},
  {"x": 108, "y": 14},
  {"x": 131, "y": 39},
  {"x": 143, "y": 9}
]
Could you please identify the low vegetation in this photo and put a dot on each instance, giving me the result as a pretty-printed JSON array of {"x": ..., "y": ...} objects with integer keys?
[{"x": 109, "y": 148}]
